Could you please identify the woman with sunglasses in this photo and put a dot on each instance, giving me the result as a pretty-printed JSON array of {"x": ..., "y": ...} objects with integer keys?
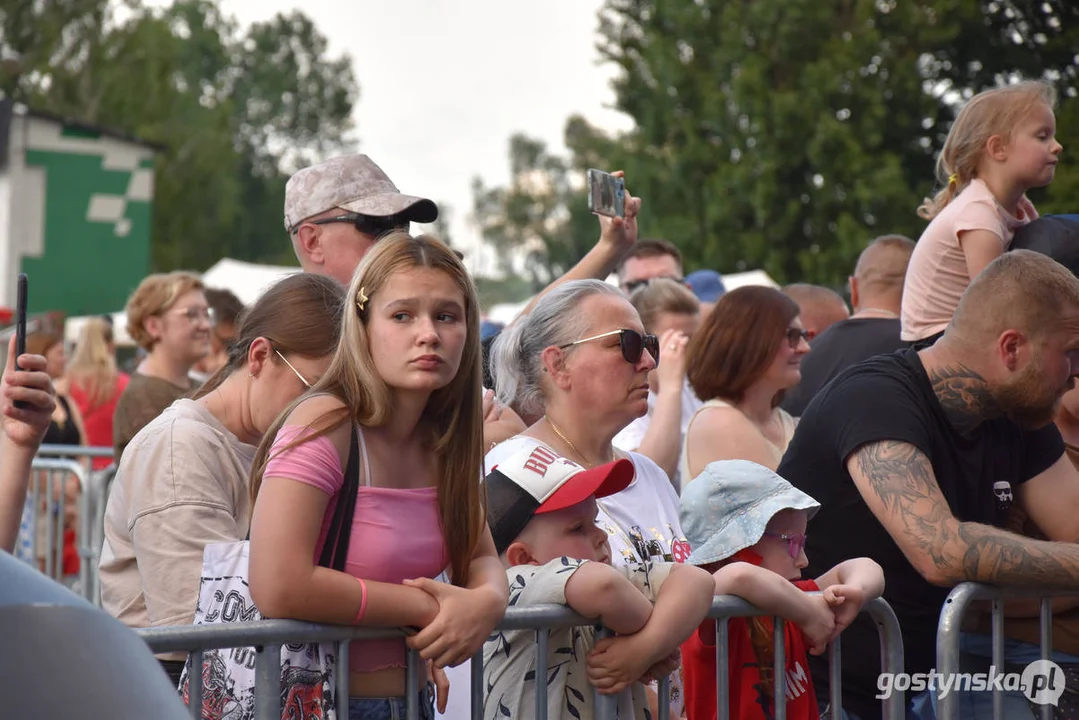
[
  {"x": 580, "y": 362},
  {"x": 745, "y": 355},
  {"x": 183, "y": 481}
]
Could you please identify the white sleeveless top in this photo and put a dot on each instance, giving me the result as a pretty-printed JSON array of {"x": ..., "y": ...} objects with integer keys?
[{"x": 788, "y": 423}]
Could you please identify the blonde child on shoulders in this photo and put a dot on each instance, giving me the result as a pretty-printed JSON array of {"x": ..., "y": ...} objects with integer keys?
[{"x": 1001, "y": 145}]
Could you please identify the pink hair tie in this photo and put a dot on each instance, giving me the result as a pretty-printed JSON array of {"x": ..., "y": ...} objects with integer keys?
[{"x": 363, "y": 602}]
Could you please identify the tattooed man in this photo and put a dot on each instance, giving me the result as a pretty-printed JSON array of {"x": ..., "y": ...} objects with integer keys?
[{"x": 916, "y": 458}]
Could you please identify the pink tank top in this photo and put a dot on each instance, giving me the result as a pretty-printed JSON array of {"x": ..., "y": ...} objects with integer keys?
[{"x": 396, "y": 533}]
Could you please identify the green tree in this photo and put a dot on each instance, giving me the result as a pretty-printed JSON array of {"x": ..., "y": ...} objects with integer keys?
[
  {"x": 233, "y": 111},
  {"x": 783, "y": 134}
]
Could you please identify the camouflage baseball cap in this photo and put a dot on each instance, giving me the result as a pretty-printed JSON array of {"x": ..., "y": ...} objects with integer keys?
[{"x": 354, "y": 183}]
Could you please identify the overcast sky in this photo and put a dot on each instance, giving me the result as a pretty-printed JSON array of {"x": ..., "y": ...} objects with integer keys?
[{"x": 443, "y": 84}]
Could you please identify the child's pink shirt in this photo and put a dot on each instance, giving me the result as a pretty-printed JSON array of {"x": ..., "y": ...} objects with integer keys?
[{"x": 937, "y": 275}]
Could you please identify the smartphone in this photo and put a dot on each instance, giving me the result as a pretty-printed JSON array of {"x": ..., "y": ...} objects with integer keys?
[
  {"x": 20, "y": 327},
  {"x": 606, "y": 194}
]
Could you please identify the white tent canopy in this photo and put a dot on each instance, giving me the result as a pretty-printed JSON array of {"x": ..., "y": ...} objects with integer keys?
[{"x": 247, "y": 280}]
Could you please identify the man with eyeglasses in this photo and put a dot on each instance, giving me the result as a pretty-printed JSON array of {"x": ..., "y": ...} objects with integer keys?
[
  {"x": 648, "y": 260},
  {"x": 336, "y": 210}
]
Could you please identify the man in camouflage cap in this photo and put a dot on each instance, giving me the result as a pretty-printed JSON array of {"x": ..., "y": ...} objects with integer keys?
[{"x": 336, "y": 210}]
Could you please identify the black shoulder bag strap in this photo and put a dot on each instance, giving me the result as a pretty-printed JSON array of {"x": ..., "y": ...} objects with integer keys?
[{"x": 335, "y": 548}]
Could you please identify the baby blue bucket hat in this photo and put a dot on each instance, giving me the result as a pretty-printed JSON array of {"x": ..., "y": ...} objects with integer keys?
[{"x": 727, "y": 508}]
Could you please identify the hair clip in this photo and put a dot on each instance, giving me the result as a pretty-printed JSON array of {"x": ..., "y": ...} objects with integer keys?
[
  {"x": 361, "y": 299},
  {"x": 953, "y": 179}
]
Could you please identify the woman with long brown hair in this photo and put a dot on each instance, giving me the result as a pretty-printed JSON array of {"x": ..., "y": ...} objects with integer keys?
[
  {"x": 746, "y": 353},
  {"x": 401, "y": 399},
  {"x": 182, "y": 482}
]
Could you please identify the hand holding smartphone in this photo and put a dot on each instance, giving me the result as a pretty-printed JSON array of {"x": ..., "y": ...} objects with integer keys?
[
  {"x": 606, "y": 194},
  {"x": 20, "y": 327}
]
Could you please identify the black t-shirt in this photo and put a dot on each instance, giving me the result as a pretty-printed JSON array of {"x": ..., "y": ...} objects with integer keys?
[
  {"x": 889, "y": 397},
  {"x": 841, "y": 345}
]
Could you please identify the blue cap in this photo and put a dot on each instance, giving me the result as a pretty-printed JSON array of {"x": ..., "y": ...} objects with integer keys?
[
  {"x": 488, "y": 329},
  {"x": 707, "y": 285}
]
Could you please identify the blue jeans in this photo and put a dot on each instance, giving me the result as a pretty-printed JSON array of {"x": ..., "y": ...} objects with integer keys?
[
  {"x": 975, "y": 655},
  {"x": 390, "y": 708}
]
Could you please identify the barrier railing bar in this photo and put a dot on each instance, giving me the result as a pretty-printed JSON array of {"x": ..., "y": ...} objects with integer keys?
[
  {"x": 412, "y": 676},
  {"x": 664, "y": 687},
  {"x": 835, "y": 679},
  {"x": 998, "y": 654},
  {"x": 723, "y": 710},
  {"x": 340, "y": 695},
  {"x": 267, "y": 682},
  {"x": 606, "y": 705},
  {"x": 74, "y": 451},
  {"x": 477, "y": 684},
  {"x": 194, "y": 684},
  {"x": 779, "y": 669},
  {"x": 1046, "y": 622},
  {"x": 542, "y": 636}
]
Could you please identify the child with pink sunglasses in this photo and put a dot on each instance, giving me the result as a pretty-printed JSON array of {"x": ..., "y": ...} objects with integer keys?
[{"x": 740, "y": 517}]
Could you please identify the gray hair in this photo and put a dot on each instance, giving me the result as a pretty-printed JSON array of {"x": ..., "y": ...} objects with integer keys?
[{"x": 516, "y": 354}]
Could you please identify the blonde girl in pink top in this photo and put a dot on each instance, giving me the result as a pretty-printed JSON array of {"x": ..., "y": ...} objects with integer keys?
[
  {"x": 1001, "y": 145},
  {"x": 407, "y": 377}
]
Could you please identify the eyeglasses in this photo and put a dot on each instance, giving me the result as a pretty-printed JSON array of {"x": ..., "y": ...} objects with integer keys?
[
  {"x": 633, "y": 344},
  {"x": 633, "y": 285},
  {"x": 367, "y": 224},
  {"x": 795, "y": 543},
  {"x": 195, "y": 313},
  {"x": 796, "y": 335},
  {"x": 293, "y": 369}
]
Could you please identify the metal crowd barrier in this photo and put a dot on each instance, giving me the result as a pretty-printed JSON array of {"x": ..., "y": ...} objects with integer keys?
[
  {"x": 267, "y": 637},
  {"x": 950, "y": 628},
  {"x": 51, "y": 467},
  {"x": 41, "y": 535}
]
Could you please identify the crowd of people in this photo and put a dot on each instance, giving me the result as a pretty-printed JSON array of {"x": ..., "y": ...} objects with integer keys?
[{"x": 629, "y": 450}]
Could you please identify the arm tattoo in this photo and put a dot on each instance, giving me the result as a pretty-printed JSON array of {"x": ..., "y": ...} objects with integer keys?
[
  {"x": 964, "y": 395},
  {"x": 902, "y": 478}
]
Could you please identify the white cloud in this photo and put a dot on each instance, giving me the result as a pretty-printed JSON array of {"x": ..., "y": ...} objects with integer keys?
[{"x": 444, "y": 84}]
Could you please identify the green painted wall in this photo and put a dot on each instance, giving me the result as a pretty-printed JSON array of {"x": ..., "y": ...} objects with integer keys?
[{"x": 96, "y": 237}]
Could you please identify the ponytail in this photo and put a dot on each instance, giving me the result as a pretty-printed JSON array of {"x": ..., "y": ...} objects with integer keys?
[{"x": 993, "y": 112}]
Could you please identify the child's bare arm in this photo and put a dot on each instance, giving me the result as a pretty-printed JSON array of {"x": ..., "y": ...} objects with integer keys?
[
  {"x": 681, "y": 604},
  {"x": 596, "y": 590},
  {"x": 848, "y": 586},
  {"x": 778, "y": 596},
  {"x": 862, "y": 573}
]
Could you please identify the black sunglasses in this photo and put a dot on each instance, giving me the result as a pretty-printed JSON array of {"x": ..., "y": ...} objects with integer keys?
[
  {"x": 632, "y": 343},
  {"x": 634, "y": 285},
  {"x": 367, "y": 224},
  {"x": 795, "y": 336}
]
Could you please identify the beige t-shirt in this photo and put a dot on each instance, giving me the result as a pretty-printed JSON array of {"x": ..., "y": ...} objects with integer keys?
[
  {"x": 509, "y": 656},
  {"x": 182, "y": 483},
  {"x": 937, "y": 274}
]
